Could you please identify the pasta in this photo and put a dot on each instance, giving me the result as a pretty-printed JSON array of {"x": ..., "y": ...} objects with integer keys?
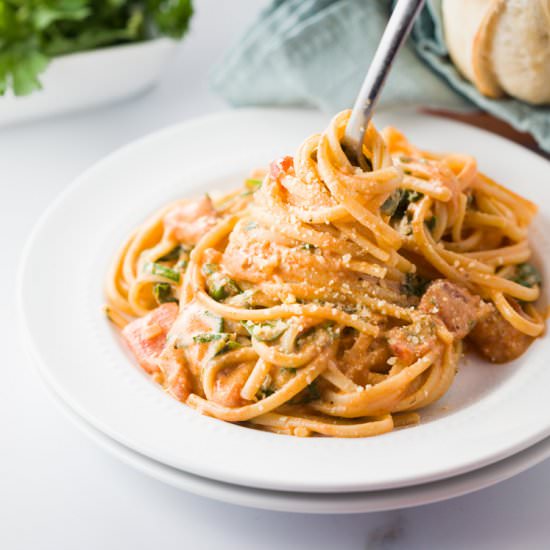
[{"x": 322, "y": 299}]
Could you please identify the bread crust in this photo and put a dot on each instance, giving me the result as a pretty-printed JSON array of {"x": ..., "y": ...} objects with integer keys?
[{"x": 501, "y": 46}]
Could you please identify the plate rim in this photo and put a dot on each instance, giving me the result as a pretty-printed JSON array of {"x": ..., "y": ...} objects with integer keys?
[{"x": 311, "y": 503}]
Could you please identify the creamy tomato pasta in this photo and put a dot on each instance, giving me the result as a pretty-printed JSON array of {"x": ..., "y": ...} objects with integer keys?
[{"x": 321, "y": 298}]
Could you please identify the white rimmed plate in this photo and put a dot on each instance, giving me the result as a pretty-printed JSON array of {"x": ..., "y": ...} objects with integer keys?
[
  {"x": 490, "y": 413},
  {"x": 320, "y": 503}
]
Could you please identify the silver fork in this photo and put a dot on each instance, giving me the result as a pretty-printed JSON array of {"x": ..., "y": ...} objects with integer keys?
[{"x": 395, "y": 34}]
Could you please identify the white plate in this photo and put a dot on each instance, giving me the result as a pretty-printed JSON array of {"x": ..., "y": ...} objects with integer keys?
[
  {"x": 320, "y": 503},
  {"x": 86, "y": 79},
  {"x": 490, "y": 413}
]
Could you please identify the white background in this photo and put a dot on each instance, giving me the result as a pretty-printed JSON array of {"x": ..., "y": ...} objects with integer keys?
[{"x": 59, "y": 491}]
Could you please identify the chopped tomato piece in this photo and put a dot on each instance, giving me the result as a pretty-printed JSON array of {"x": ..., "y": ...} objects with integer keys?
[
  {"x": 146, "y": 336},
  {"x": 281, "y": 167},
  {"x": 176, "y": 377},
  {"x": 189, "y": 221},
  {"x": 229, "y": 383},
  {"x": 410, "y": 342}
]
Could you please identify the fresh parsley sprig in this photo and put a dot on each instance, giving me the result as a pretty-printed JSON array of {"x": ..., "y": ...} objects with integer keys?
[{"x": 32, "y": 32}]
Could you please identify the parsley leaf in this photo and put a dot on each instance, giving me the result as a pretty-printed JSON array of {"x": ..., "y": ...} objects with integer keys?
[{"x": 33, "y": 32}]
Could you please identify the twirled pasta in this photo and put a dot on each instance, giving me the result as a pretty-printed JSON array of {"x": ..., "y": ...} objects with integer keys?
[{"x": 300, "y": 303}]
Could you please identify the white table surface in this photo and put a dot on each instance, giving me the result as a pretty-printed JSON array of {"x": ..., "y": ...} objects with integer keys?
[{"x": 59, "y": 491}]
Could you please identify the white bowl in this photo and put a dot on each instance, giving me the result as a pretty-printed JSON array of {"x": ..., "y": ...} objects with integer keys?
[{"x": 86, "y": 79}]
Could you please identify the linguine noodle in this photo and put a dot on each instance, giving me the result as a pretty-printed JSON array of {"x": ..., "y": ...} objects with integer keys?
[{"x": 300, "y": 302}]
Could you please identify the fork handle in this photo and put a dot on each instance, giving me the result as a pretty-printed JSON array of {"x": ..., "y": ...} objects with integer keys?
[{"x": 395, "y": 34}]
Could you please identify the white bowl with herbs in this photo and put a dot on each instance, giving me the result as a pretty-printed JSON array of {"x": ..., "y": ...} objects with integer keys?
[{"x": 83, "y": 53}]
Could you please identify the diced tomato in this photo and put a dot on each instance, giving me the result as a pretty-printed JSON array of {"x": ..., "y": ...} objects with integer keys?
[
  {"x": 189, "y": 221},
  {"x": 177, "y": 380},
  {"x": 229, "y": 383},
  {"x": 410, "y": 342},
  {"x": 281, "y": 167},
  {"x": 146, "y": 336}
]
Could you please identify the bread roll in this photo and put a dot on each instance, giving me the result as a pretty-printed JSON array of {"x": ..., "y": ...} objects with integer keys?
[{"x": 501, "y": 46}]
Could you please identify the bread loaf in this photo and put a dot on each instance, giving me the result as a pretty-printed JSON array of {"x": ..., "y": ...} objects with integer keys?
[{"x": 501, "y": 46}]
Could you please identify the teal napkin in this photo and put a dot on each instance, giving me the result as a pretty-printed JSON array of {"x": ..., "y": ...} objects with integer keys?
[{"x": 316, "y": 53}]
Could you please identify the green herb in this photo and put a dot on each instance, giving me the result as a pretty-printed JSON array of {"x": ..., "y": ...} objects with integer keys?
[
  {"x": 409, "y": 196},
  {"x": 222, "y": 342},
  {"x": 181, "y": 265},
  {"x": 265, "y": 389},
  {"x": 389, "y": 206},
  {"x": 290, "y": 370},
  {"x": 163, "y": 271},
  {"x": 253, "y": 184},
  {"x": 527, "y": 275},
  {"x": 266, "y": 331},
  {"x": 309, "y": 247},
  {"x": 329, "y": 327},
  {"x": 221, "y": 288},
  {"x": 207, "y": 337},
  {"x": 216, "y": 323},
  {"x": 308, "y": 394},
  {"x": 414, "y": 285},
  {"x": 218, "y": 285},
  {"x": 182, "y": 256},
  {"x": 397, "y": 203},
  {"x": 264, "y": 392},
  {"x": 173, "y": 255},
  {"x": 232, "y": 287},
  {"x": 217, "y": 292},
  {"x": 209, "y": 269},
  {"x": 230, "y": 345},
  {"x": 163, "y": 293},
  {"x": 32, "y": 32},
  {"x": 413, "y": 196}
]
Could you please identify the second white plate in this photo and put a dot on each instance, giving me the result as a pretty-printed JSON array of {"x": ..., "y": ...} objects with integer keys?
[{"x": 320, "y": 503}]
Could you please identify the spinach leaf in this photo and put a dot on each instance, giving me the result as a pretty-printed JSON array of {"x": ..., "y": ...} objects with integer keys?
[
  {"x": 397, "y": 203},
  {"x": 162, "y": 271},
  {"x": 163, "y": 293},
  {"x": 527, "y": 275}
]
